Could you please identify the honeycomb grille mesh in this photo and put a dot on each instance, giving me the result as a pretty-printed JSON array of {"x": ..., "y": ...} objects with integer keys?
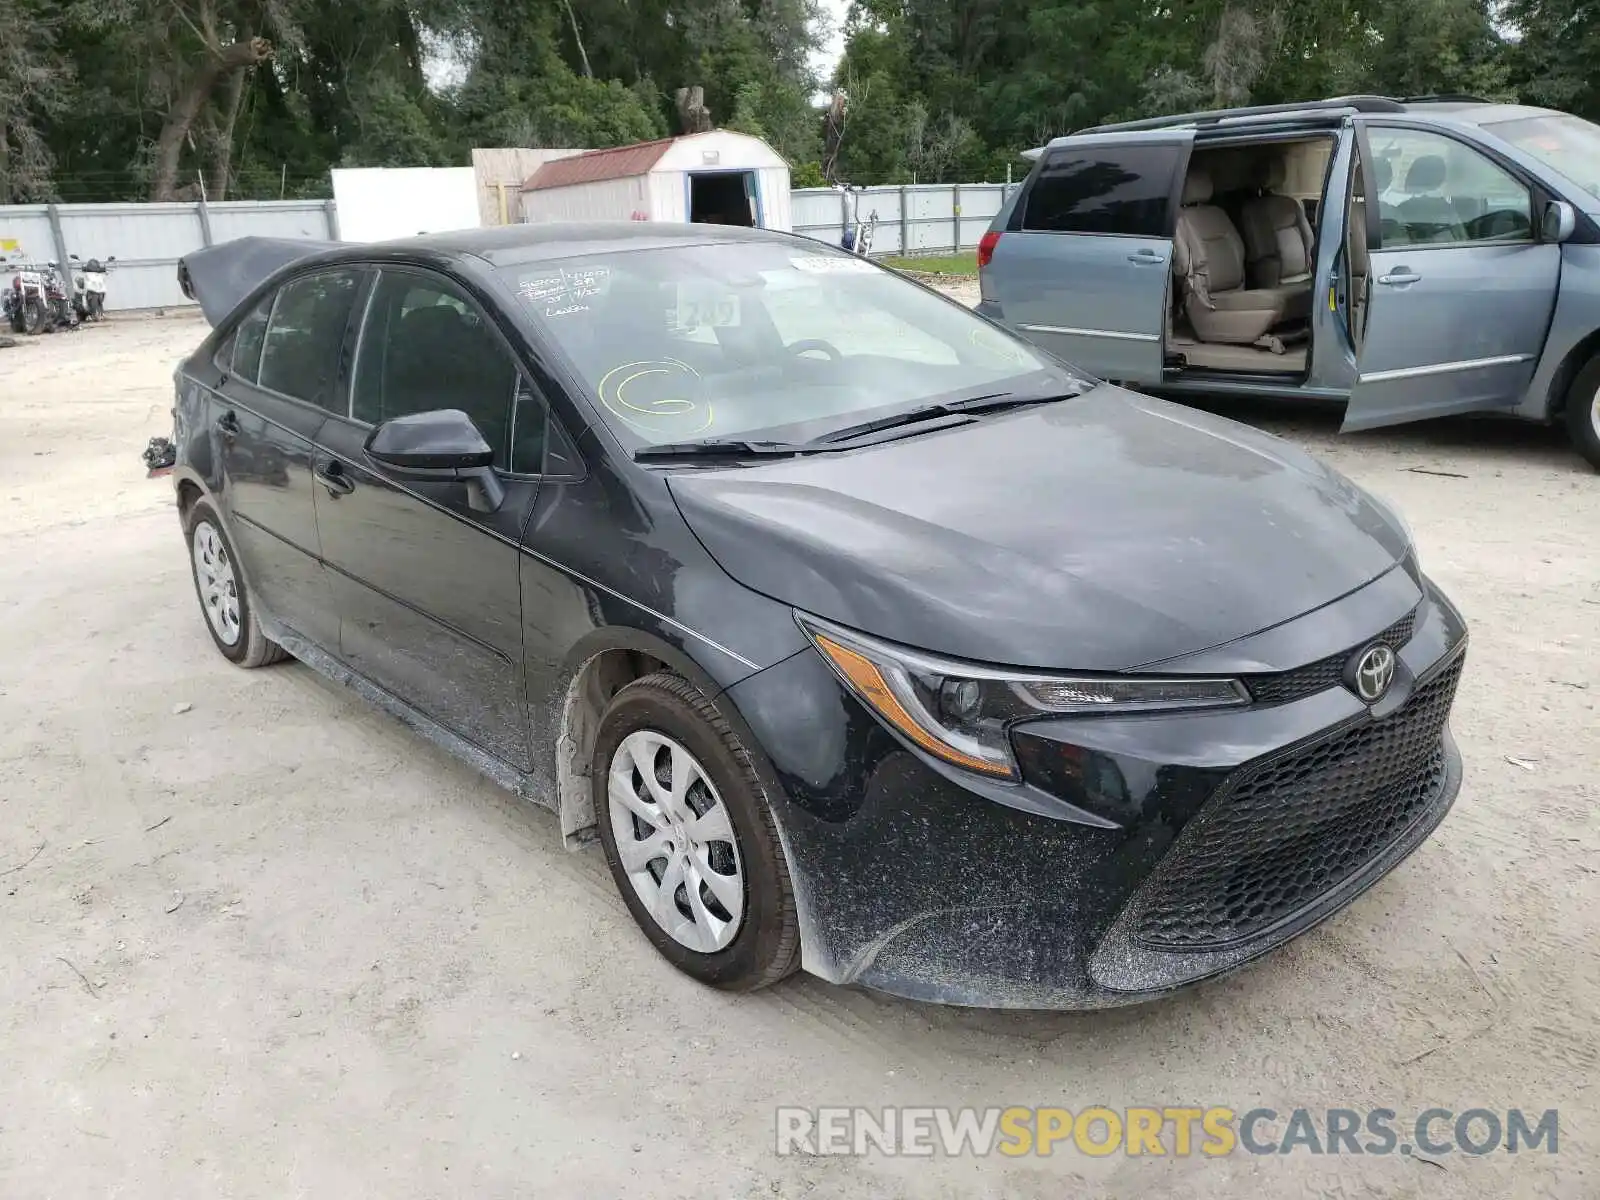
[
  {"x": 1275, "y": 838},
  {"x": 1323, "y": 674}
]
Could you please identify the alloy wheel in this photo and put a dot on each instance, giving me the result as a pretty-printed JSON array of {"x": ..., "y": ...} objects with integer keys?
[
  {"x": 675, "y": 841},
  {"x": 219, "y": 587}
]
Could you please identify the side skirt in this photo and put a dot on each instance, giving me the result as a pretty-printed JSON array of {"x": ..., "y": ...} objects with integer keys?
[{"x": 326, "y": 665}]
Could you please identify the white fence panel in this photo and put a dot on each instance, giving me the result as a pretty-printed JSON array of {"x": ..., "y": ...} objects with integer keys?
[
  {"x": 271, "y": 218},
  {"x": 932, "y": 224},
  {"x": 148, "y": 239},
  {"x": 28, "y": 225}
]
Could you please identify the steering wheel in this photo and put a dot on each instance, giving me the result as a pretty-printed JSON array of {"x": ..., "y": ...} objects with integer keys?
[{"x": 806, "y": 345}]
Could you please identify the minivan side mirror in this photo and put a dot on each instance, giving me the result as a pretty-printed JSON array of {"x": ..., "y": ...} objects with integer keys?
[
  {"x": 1560, "y": 221},
  {"x": 440, "y": 444}
]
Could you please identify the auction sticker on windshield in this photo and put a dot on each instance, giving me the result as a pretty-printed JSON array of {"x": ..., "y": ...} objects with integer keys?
[
  {"x": 706, "y": 306},
  {"x": 830, "y": 264}
]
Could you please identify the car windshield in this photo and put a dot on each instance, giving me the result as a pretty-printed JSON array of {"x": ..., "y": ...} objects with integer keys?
[
  {"x": 1569, "y": 144},
  {"x": 774, "y": 339}
]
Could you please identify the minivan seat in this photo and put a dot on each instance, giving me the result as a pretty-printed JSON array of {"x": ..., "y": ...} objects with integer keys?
[
  {"x": 1428, "y": 215},
  {"x": 1277, "y": 235},
  {"x": 1208, "y": 258}
]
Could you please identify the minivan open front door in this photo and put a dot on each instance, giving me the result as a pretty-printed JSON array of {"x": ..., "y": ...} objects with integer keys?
[
  {"x": 1460, "y": 286},
  {"x": 1084, "y": 267}
]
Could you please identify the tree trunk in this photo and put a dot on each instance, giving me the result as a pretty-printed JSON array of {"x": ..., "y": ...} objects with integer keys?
[
  {"x": 241, "y": 56},
  {"x": 222, "y": 137},
  {"x": 578, "y": 37}
]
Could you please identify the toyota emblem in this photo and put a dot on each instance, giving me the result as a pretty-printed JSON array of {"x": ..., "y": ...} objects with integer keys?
[{"x": 1373, "y": 672}]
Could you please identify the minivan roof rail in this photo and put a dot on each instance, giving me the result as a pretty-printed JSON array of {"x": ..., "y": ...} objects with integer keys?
[
  {"x": 1378, "y": 104},
  {"x": 1446, "y": 98}
]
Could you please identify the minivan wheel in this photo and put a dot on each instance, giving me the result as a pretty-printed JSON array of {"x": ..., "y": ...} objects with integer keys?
[
  {"x": 224, "y": 599},
  {"x": 690, "y": 839},
  {"x": 1583, "y": 412}
]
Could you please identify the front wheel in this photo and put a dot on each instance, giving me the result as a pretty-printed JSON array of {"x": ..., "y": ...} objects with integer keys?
[
  {"x": 1583, "y": 412},
  {"x": 32, "y": 316},
  {"x": 224, "y": 599},
  {"x": 690, "y": 839}
]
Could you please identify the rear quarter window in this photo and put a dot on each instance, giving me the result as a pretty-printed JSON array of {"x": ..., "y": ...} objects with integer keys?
[{"x": 1124, "y": 190}]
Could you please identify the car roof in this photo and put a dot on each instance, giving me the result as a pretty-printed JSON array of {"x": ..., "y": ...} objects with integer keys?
[{"x": 511, "y": 245}]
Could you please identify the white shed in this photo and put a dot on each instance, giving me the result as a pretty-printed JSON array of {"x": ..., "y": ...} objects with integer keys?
[{"x": 722, "y": 177}]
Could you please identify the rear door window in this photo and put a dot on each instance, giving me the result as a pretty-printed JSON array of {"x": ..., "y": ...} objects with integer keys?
[
  {"x": 1125, "y": 190},
  {"x": 300, "y": 354},
  {"x": 248, "y": 338}
]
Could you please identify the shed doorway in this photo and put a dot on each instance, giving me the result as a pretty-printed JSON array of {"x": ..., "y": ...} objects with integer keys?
[{"x": 723, "y": 198}]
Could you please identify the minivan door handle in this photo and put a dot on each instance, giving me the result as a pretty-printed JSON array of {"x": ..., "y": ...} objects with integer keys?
[
  {"x": 228, "y": 426},
  {"x": 331, "y": 475},
  {"x": 1146, "y": 258},
  {"x": 1399, "y": 277}
]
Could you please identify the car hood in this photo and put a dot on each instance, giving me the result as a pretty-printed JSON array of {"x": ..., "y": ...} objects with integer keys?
[
  {"x": 218, "y": 277},
  {"x": 1104, "y": 533}
]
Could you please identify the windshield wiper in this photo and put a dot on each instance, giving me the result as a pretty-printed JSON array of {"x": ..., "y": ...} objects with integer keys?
[
  {"x": 989, "y": 402},
  {"x": 719, "y": 448}
]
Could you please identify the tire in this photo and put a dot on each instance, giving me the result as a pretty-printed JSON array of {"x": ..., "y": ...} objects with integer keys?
[
  {"x": 764, "y": 945},
  {"x": 32, "y": 317},
  {"x": 1583, "y": 412},
  {"x": 211, "y": 556}
]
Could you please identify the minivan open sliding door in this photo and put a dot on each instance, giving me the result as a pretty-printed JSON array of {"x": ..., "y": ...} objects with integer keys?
[{"x": 1084, "y": 268}]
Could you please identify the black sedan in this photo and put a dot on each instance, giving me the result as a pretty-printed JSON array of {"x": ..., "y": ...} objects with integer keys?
[{"x": 866, "y": 638}]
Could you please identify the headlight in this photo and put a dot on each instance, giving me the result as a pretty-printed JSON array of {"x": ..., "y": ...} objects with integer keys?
[{"x": 960, "y": 711}]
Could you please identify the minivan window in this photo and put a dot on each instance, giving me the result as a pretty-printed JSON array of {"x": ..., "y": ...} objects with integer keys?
[
  {"x": 1111, "y": 189},
  {"x": 1569, "y": 144},
  {"x": 425, "y": 346},
  {"x": 1442, "y": 192},
  {"x": 300, "y": 356},
  {"x": 791, "y": 338}
]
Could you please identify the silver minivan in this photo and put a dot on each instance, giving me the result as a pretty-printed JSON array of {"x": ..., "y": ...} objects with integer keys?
[{"x": 1413, "y": 258}]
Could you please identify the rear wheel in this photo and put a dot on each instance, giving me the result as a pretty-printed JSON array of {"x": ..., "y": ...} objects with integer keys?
[
  {"x": 1583, "y": 412},
  {"x": 224, "y": 599},
  {"x": 690, "y": 839}
]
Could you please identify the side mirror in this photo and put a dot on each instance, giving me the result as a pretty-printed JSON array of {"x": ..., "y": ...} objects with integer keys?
[
  {"x": 1560, "y": 221},
  {"x": 73, "y": 257},
  {"x": 441, "y": 444}
]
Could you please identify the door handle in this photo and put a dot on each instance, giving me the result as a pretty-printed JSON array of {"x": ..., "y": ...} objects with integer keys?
[
  {"x": 332, "y": 476},
  {"x": 1147, "y": 258},
  {"x": 228, "y": 426},
  {"x": 1399, "y": 277}
]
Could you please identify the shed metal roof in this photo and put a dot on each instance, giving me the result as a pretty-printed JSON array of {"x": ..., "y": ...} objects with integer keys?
[{"x": 620, "y": 162}]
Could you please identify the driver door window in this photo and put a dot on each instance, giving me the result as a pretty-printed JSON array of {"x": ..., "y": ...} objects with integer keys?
[
  {"x": 424, "y": 346},
  {"x": 1442, "y": 192}
]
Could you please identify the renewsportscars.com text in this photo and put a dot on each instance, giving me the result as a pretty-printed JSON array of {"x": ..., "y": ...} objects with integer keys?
[{"x": 1212, "y": 1131}]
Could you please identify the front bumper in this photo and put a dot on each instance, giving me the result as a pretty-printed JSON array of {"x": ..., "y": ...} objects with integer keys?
[{"x": 1142, "y": 854}]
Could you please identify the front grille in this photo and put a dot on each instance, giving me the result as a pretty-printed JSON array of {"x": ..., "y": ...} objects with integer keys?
[
  {"x": 1278, "y": 836},
  {"x": 1323, "y": 674}
]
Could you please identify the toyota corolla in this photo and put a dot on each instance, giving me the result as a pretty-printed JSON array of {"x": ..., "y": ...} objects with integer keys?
[{"x": 866, "y": 638}]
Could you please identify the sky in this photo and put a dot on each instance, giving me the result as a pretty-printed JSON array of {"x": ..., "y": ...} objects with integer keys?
[{"x": 828, "y": 57}]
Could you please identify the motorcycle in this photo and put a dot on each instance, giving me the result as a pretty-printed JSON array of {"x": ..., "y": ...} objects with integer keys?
[
  {"x": 89, "y": 288},
  {"x": 59, "y": 310},
  {"x": 26, "y": 308}
]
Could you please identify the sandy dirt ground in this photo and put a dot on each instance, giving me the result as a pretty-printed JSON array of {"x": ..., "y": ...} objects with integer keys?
[{"x": 256, "y": 940}]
